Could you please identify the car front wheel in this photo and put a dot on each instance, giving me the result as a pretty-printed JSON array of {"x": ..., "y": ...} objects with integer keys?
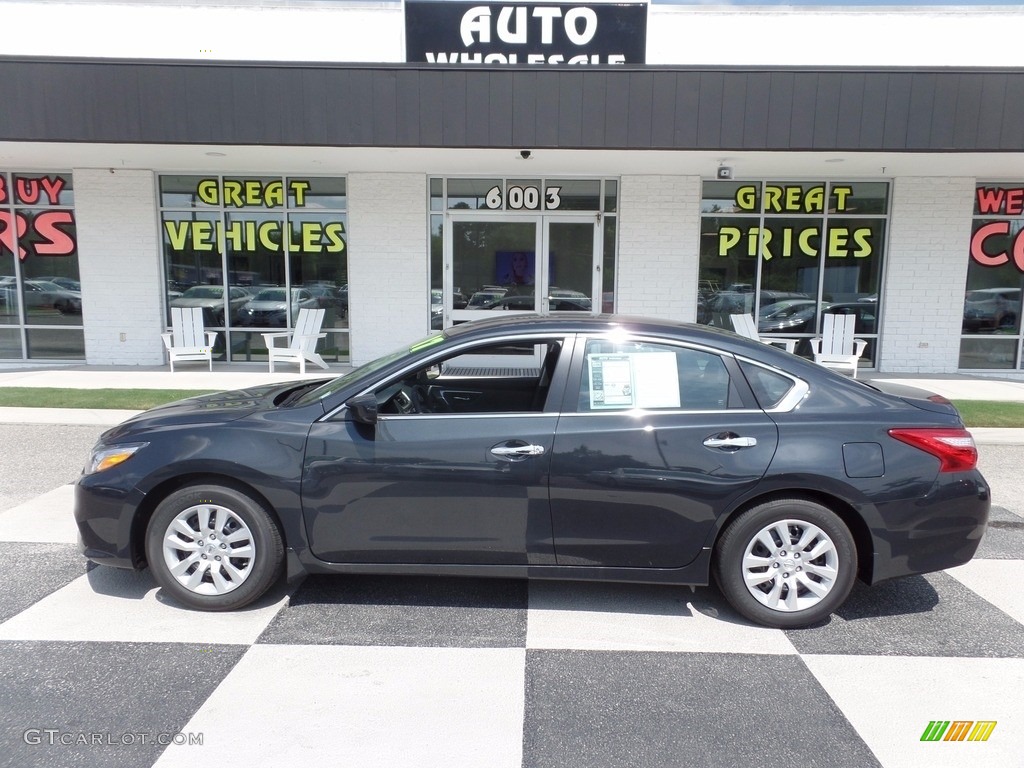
[
  {"x": 213, "y": 548},
  {"x": 786, "y": 563}
]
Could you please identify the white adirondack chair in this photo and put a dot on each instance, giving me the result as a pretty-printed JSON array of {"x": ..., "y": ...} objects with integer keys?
[
  {"x": 744, "y": 326},
  {"x": 304, "y": 338},
  {"x": 837, "y": 348},
  {"x": 188, "y": 338}
]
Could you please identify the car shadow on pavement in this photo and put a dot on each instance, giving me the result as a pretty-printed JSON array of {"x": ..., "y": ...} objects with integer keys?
[{"x": 128, "y": 584}]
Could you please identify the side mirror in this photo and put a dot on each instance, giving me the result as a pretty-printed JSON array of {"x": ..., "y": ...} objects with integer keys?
[{"x": 363, "y": 408}]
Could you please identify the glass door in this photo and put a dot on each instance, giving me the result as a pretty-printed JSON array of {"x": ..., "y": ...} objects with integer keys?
[
  {"x": 519, "y": 264},
  {"x": 491, "y": 267},
  {"x": 570, "y": 266}
]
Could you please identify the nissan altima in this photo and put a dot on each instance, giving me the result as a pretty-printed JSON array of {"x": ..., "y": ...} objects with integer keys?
[{"x": 588, "y": 448}]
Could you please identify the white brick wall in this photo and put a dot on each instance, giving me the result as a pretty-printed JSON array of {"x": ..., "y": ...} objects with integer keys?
[
  {"x": 388, "y": 277},
  {"x": 119, "y": 262},
  {"x": 926, "y": 273},
  {"x": 659, "y": 237}
]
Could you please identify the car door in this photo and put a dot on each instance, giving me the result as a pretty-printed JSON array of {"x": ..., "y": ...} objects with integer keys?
[
  {"x": 455, "y": 470},
  {"x": 657, "y": 439}
]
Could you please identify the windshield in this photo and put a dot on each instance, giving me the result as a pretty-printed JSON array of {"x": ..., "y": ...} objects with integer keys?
[{"x": 367, "y": 370}]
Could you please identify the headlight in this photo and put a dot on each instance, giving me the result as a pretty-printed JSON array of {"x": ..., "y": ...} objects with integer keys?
[{"x": 103, "y": 458}]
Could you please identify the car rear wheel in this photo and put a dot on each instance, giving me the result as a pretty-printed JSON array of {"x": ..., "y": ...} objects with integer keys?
[
  {"x": 213, "y": 547},
  {"x": 786, "y": 563}
]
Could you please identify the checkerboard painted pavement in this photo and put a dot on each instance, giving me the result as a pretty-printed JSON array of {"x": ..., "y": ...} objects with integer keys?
[{"x": 97, "y": 668}]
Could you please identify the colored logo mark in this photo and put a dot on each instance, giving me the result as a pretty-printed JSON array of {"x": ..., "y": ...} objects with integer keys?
[{"x": 958, "y": 730}]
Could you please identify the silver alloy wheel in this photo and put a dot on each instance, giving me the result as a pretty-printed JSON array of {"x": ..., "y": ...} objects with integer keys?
[
  {"x": 209, "y": 549},
  {"x": 790, "y": 565}
]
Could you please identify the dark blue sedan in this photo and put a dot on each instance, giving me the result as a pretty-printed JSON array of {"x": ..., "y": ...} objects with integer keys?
[{"x": 607, "y": 448}]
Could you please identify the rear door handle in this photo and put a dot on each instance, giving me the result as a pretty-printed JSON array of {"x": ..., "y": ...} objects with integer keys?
[
  {"x": 517, "y": 451},
  {"x": 731, "y": 442}
]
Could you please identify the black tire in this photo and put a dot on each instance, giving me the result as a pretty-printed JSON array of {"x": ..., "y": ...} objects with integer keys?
[
  {"x": 783, "y": 598},
  {"x": 226, "y": 546}
]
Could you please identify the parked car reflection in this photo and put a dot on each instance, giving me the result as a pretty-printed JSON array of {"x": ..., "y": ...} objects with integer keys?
[
  {"x": 211, "y": 299},
  {"x": 485, "y": 298},
  {"x": 67, "y": 283},
  {"x": 329, "y": 297},
  {"x": 991, "y": 310},
  {"x": 725, "y": 303},
  {"x": 42, "y": 294},
  {"x": 269, "y": 307},
  {"x": 788, "y": 316}
]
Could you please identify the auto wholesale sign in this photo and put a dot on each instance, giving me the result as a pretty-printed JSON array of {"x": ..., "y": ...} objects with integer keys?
[{"x": 530, "y": 33}]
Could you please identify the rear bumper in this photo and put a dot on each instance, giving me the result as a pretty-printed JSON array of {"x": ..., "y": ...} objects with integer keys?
[{"x": 939, "y": 531}]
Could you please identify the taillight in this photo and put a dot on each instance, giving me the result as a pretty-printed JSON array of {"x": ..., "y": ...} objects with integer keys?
[{"x": 954, "y": 448}]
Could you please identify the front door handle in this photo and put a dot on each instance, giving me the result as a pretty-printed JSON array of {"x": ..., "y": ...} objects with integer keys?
[
  {"x": 731, "y": 442},
  {"x": 517, "y": 451}
]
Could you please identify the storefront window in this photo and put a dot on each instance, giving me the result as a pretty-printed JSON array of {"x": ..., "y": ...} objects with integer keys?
[
  {"x": 995, "y": 278},
  {"x": 40, "y": 291},
  {"x": 253, "y": 252},
  {"x": 788, "y": 252}
]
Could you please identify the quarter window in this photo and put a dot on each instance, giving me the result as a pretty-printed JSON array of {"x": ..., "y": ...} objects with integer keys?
[{"x": 769, "y": 387}]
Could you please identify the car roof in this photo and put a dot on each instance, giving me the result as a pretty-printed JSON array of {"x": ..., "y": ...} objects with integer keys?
[{"x": 716, "y": 337}]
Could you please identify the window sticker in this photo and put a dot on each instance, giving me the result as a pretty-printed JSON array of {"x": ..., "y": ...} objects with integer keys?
[
  {"x": 639, "y": 380},
  {"x": 611, "y": 381},
  {"x": 657, "y": 380}
]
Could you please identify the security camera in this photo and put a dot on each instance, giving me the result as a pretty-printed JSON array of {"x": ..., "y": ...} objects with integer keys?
[
  {"x": 525, "y": 154},
  {"x": 724, "y": 172}
]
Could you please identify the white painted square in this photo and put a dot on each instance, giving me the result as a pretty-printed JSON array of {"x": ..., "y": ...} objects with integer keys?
[
  {"x": 890, "y": 701},
  {"x": 363, "y": 706},
  {"x": 998, "y": 581},
  {"x": 47, "y": 519},
  {"x": 115, "y": 605},
  {"x": 616, "y": 617}
]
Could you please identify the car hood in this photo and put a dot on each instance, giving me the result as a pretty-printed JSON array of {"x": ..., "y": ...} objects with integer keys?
[
  {"x": 266, "y": 306},
  {"x": 216, "y": 408}
]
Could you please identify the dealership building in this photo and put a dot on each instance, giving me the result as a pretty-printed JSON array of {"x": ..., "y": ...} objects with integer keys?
[{"x": 410, "y": 166}]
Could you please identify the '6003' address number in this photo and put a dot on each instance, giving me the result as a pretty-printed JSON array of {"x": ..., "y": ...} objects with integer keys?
[{"x": 524, "y": 198}]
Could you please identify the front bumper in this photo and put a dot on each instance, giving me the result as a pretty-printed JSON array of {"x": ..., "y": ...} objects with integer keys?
[{"x": 106, "y": 519}]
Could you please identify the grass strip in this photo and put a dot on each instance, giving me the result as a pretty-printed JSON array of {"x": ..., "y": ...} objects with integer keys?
[
  {"x": 991, "y": 413},
  {"x": 127, "y": 399}
]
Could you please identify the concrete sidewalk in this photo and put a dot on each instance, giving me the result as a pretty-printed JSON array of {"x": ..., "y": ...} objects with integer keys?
[{"x": 239, "y": 376}]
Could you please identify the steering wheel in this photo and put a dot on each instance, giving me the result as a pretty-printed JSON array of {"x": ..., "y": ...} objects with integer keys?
[{"x": 408, "y": 400}]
